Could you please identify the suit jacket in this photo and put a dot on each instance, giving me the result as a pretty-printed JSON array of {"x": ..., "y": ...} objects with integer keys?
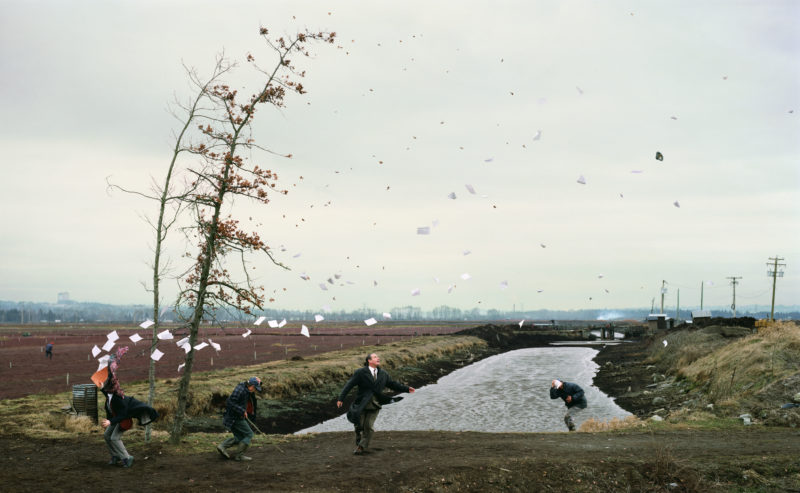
[{"x": 367, "y": 388}]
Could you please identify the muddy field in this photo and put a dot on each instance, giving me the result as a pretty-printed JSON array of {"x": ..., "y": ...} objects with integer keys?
[
  {"x": 24, "y": 369},
  {"x": 426, "y": 462}
]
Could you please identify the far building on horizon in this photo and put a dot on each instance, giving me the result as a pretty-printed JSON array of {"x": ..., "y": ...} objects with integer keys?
[{"x": 63, "y": 297}]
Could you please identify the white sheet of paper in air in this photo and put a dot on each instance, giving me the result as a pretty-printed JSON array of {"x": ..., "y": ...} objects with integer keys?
[
  {"x": 370, "y": 321},
  {"x": 273, "y": 324},
  {"x": 580, "y": 91},
  {"x": 424, "y": 230},
  {"x": 182, "y": 342},
  {"x": 489, "y": 160},
  {"x": 387, "y": 315},
  {"x": 350, "y": 283},
  {"x": 582, "y": 180},
  {"x": 318, "y": 318},
  {"x": 186, "y": 347},
  {"x": 181, "y": 366},
  {"x": 112, "y": 336},
  {"x": 163, "y": 311},
  {"x": 466, "y": 252},
  {"x": 470, "y": 189},
  {"x": 436, "y": 279},
  {"x": 108, "y": 345},
  {"x": 538, "y": 135},
  {"x": 415, "y": 292},
  {"x": 200, "y": 346},
  {"x": 709, "y": 283},
  {"x": 135, "y": 338},
  {"x": 146, "y": 324},
  {"x": 665, "y": 342},
  {"x": 451, "y": 195},
  {"x": 465, "y": 276},
  {"x": 247, "y": 333},
  {"x": 156, "y": 355},
  {"x": 450, "y": 288},
  {"x": 503, "y": 284},
  {"x": 296, "y": 255},
  {"x": 102, "y": 362},
  {"x": 676, "y": 204},
  {"x": 521, "y": 322},
  {"x": 259, "y": 321},
  {"x": 95, "y": 351},
  {"x": 435, "y": 223},
  {"x": 304, "y": 331},
  {"x": 283, "y": 322},
  {"x": 323, "y": 287},
  {"x": 164, "y": 335},
  {"x": 216, "y": 346}
]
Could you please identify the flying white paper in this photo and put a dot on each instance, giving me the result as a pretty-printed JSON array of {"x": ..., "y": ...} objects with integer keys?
[
  {"x": 247, "y": 333},
  {"x": 186, "y": 347},
  {"x": 135, "y": 338},
  {"x": 182, "y": 341},
  {"x": 470, "y": 189},
  {"x": 466, "y": 252},
  {"x": 112, "y": 336},
  {"x": 521, "y": 322},
  {"x": 283, "y": 322},
  {"x": 273, "y": 324},
  {"x": 156, "y": 355},
  {"x": 102, "y": 362},
  {"x": 424, "y": 230},
  {"x": 323, "y": 287},
  {"x": 95, "y": 351},
  {"x": 665, "y": 342},
  {"x": 582, "y": 180},
  {"x": 465, "y": 276},
  {"x": 165, "y": 335},
  {"x": 503, "y": 284},
  {"x": 214, "y": 345},
  {"x": 318, "y": 318},
  {"x": 200, "y": 346},
  {"x": 181, "y": 366},
  {"x": 387, "y": 315},
  {"x": 259, "y": 321},
  {"x": 370, "y": 321},
  {"x": 538, "y": 135},
  {"x": 450, "y": 288},
  {"x": 108, "y": 345},
  {"x": 146, "y": 324},
  {"x": 304, "y": 331},
  {"x": 452, "y": 195},
  {"x": 415, "y": 292}
]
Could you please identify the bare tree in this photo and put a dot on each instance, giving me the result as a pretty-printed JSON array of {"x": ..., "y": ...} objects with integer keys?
[{"x": 222, "y": 173}]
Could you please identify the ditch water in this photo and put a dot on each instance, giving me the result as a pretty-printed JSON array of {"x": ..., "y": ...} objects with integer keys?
[{"x": 507, "y": 392}]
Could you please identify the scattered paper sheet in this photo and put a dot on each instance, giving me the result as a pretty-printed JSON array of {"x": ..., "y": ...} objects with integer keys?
[
  {"x": 165, "y": 335},
  {"x": 435, "y": 223},
  {"x": 259, "y": 321},
  {"x": 538, "y": 135},
  {"x": 465, "y": 276},
  {"x": 470, "y": 189},
  {"x": 146, "y": 324},
  {"x": 296, "y": 255},
  {"x": 665, "y": 342},
  {"x": 95, "y": 351},
  {"x": 450, "y": 288},
  {"x": 318, "y": 318},
  {"x": 323, "y": 287},
  {"x": 452, "y": 195},
  {"x": 182, "y": 341},
  {"x": 247, "y": 333},
  {"x": 112, "y": 336},
  {"x": 582, "y": 180},
  {"x": 521, "y": 322},
  {"x": 503, "y": 284},
  {"x": 387, "y": 315},
  {"x": 108, "y": 345},
  {"x": 304, "y": 331},
  {"x": 216, "y": 346},
  {"x": 273, "y": 324},
  {"x": 283, "y": 322},
  {"x": 135, "y": 338},
  {"x": 156, "y": 355},
  {"x": 466, "y": 252},
  {"x": 415, "y": 292},
  {"x": 186, "y": 347},
  {"x": 200, "y": 346},
  {"x": 424, "y": 230},
  {"x": 181, "y": 366},
  {"x": 370, "y": 321}
]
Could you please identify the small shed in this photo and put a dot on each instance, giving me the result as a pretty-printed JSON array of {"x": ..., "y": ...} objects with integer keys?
[{"x": 658, "y": 321}]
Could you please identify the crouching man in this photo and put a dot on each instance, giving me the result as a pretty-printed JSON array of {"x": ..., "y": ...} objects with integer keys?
[
  {"x": 240, "y": 405},
  {"x": 573, "y": 397}
]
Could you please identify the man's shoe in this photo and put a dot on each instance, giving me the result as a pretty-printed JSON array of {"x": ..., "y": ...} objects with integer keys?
[
  {"x": 358, "y": 451},
  {"x": 223, "y": 452},
  {"x": 114, "y": 460},
  {"x": 239, "y": 453},
  {"x": 127, "y": 462}
]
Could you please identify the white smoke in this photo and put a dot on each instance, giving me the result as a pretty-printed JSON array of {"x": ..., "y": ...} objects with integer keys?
[{"x": 610, "y": 316}]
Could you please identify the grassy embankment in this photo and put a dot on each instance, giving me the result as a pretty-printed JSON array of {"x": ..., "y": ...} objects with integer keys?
[{"x": 295, "y": 381}]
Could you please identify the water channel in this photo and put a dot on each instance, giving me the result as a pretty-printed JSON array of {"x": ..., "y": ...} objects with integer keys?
[{"x": 507, "y": 392}]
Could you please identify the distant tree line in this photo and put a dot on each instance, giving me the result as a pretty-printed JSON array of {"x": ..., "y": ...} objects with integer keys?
[{"x": 77, "y": 312}]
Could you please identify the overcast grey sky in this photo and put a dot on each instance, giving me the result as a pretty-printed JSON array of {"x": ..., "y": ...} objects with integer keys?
[{"x": 444, "y": 94}]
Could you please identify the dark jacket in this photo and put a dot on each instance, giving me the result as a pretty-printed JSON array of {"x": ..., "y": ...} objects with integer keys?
[
  {"x": 367, "y": 388},
  {"x": 578, "y": 398},
  {"x": 122, "y": 408},
  {"x": 237, "y": 404}
]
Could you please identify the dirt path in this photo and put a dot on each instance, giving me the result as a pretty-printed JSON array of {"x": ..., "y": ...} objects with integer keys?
[{"x": 427, "y": 461}]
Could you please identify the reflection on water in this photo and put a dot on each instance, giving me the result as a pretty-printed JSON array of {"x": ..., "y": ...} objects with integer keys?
[{"x": 508, "y": 392}]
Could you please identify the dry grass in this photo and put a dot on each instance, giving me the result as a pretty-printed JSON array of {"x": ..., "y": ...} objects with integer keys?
[
  {"x": 38, "y": 414},
  {"x": 615, "y": 424},
  {"x": 748, "y": 366}
]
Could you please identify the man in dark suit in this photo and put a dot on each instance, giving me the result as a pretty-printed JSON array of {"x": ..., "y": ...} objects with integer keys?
[
  {"x": 370, "y": 380},
  {"x": 573, "y": 397}
]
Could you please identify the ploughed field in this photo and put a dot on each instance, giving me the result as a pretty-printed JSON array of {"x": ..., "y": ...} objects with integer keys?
[{"x": 25, "y": 370}]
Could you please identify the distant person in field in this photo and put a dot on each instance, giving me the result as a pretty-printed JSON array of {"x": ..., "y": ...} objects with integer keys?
[
  {"x": 240, "y": 406},
  {"x": 121, "y": 410},
  {"x": 48, "y": 350},
  {"x": 573, "y": 397},
  {"x": 370, "y": 380}
]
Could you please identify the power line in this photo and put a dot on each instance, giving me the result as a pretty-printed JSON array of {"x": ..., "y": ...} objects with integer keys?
[
  {"x": 775, "y": 274},
  {"x": 734, "y": 282}
]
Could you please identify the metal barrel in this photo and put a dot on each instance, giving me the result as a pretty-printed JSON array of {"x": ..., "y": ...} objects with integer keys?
[{"x": 84, "y": 400}]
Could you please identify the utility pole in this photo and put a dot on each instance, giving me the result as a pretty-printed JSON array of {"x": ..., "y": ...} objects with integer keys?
[
  {"x": 663, "y": 292},
  {"x": 678, "y": 309},
  {"x": 701, "y": 294},
  {"x": 734, "y": 282},
  {"x": 652, "y": 305},
  {"x": 775, "y": 273}
]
